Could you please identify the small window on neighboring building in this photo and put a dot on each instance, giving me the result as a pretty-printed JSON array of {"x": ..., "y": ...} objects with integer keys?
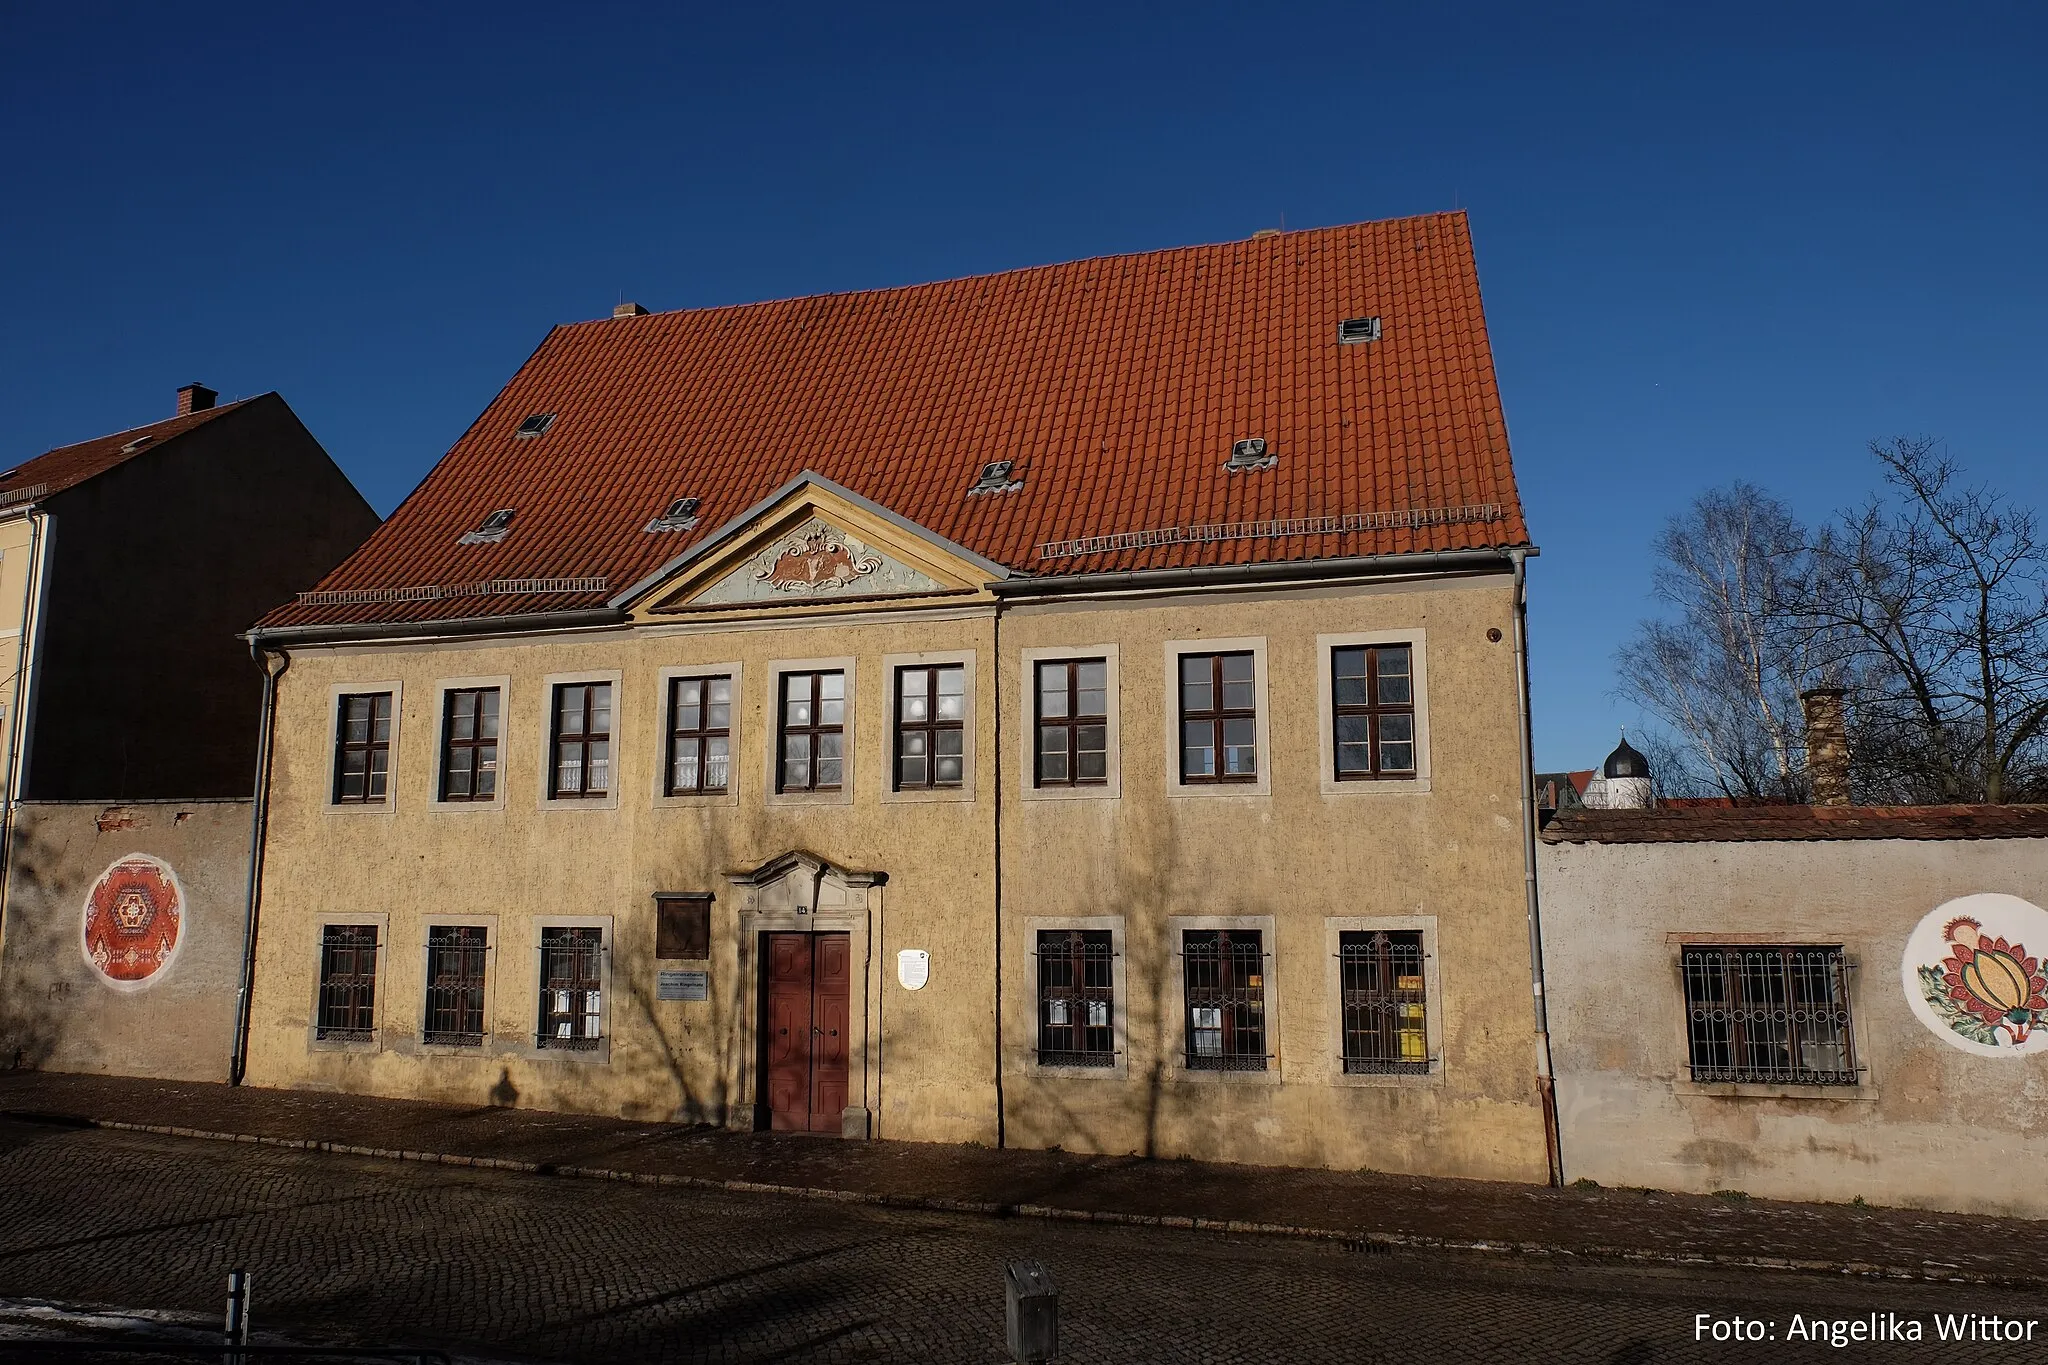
[
  {"x": 571, "y": 988},
  {"x": 1073, "y": 723},
  {"x": 699, "y": 735},
  {"x": 348, "y": 982},
  {"x": 811, "y": 733},
  {"x": 1385, "y": 1030},
  {"x": 682, "y": 926},
  {"x": 456, "y": 962},
  {"x": 1219, "y": 718},
  {"x": 931, "y": 713},
  {"x": 535, "y": 425},
  {"x": 492, "y": 528},
  {"x": 469, "y": 744},
  {"x": 1372, "y": 694},
  {"x": 581, "y": 760},
  {"x": 1076, "y": 998},
  {"x": 1769, "y": 1015},
  {"x": 1226, "y": 999},
  {"x": 362, "y": 748}
]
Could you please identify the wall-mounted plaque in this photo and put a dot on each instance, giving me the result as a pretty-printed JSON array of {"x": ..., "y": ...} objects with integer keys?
[
  {"x": 913, "y": 968},
  {"x": 682, "y": 985}
]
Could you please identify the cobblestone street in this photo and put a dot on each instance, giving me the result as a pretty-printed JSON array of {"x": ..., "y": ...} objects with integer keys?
[{"x": 507, "y": 1265}]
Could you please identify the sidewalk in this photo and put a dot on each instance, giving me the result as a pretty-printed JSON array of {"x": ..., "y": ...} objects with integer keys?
[{"x": 1391, "y": 1211}]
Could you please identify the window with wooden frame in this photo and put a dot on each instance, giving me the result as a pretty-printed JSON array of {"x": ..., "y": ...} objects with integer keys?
[
  {"x": 699, "y": 735},
  {"x": 457, "y": 958},
  {"x": 580, "y": 757},
  {"x": 1385, "y": 1002},
  {"x": 1769, "y": 1015},
  {"x": 682, "y": 925},
  {"x": 931, "y": 717},
  {"x": 1219, "y": 718},
  {"x": 348, "y": 983},
  {"x": 1225, "y": 988},
  {"x": 1076, "y": 998},
  {"x": 1073, "y": 723},
  {"x": 362, "y": 748},
  {"x": 811, "y": 732},
  {"x": 571, "y": 989},
  {"x": 469, "y": 744},
  {"x": 1372, "y": 696}
]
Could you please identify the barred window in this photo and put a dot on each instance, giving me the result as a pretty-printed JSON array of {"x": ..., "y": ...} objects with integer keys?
[
  {"x": 1076, "y": 998},
  {"x": 931, "y": 717},
  {"x": 812, "y": 733},
  {"x": 348, "y": 983},
  {"x": 456, "y": 956},
  {"x": 469, "y": 744},
  {"x": 571, "y": 988},
  {"x": 1073, "y": 723},
  {"x": 699, "y": 734},
  {"x": 582, "y": 761},
  {"x": 1385, "y": 1028},
  {"x": 1226, "y": 999},
  {"x": 1372, "y": 692},
  {"x": 362, "y": 749},
  {"x": 1769, "y": 1015},
  {"x": 1219, "y": 718}
]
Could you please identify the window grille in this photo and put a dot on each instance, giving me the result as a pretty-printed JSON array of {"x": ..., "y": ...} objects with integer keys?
[
  {"x": 812, "y": 733},
  {"x": 1073, "y": 723},
  {"x": 1769, "y": 1015},
  {"x": 1226, "y": 999},
  {"x": 1372, "y": 692},
  {"x": 571, "y": 988},
  {"x": 1219, "y": 718},
  {"x": 348, "y": 983},
  {"x": 931, "y": 715},
  {"x": 582, "y": 760},
  {"x": 699, "y": 735},
  {"x": 1385, "y": 1028},
  {"x": 1076, "y": 998},
  {"x": 362, "y": 749},
  {"x": 455, "y": 985},
  {"x": 469, "y": 744}
]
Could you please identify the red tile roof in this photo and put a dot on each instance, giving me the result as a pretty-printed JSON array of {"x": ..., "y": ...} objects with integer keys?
[
  {"x": 1743, "y": 824},
  {"x": 68, "y": 466},
  {"x": 1117, "y": 385}
]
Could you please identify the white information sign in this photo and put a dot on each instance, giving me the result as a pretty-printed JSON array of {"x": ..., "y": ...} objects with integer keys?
[{"x": 913, "y": 968}]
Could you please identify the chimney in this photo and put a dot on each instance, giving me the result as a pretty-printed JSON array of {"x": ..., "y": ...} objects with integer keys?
[
  {"x": 195, "y": 398},
  {"x": 1827, "y": 746},
  {"x": 629, "y": 310}
]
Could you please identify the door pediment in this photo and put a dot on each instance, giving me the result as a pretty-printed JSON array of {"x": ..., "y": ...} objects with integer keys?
[{"x": 798, "y": 888}]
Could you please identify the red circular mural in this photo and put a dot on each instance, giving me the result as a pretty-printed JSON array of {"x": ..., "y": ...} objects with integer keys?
[{"x": 134, "y": 919}]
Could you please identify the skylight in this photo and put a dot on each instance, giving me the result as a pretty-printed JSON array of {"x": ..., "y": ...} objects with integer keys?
[
  {"x": 136, "y": 444},
  {"x": 495, "y": 528},
  {"x": 996, "y": 478},
  {"x": 1250, "y": 454},
  {"x": 535, "y": 425},
  {"x": 680, "y": 516},
  {"x": 1358, "y": 329}
]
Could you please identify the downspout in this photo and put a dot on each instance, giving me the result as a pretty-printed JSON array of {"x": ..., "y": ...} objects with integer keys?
[
  {"x": 17, "y": 728},
  {"x": 996, "y": 809},
  {"x": 238, "y": 1064},
  {"x": 1546, "y": 1081}
]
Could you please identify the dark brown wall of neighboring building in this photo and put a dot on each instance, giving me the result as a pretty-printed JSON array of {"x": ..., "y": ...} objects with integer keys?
[{"x": 143, "y": 687}]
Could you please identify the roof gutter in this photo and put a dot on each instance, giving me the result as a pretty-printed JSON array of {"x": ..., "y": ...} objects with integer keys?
[
  {"x": 1286, "y": 571},
  {"x": 525, "y": 622}
]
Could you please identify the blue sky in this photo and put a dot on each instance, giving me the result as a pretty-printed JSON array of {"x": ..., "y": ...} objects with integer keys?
[{"x": 1714, "y": 243}]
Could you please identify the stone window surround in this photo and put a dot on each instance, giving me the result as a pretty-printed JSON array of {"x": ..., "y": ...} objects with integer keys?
[
  {"x": 849, "y": 774},
  {"x": 543, "y": 801},
  {"x": 1120, "y": 1068},
  {"x": 442, "y": 687},
  {"x": 381, "y": 920},
  {"x": 1326, "y": 714},
  {"x": 493, "y": 1043},
  {"x": 665, "y": 680},
  {"x": 1432, "y": 1008},
  {"x": 1027, "y": 765},
  {"x": 389, "y": 805},
  {"x": 600, "y": 1055},
  {"x": 1170, "y": 707},
  {"x": 1685, "y": 1087},
  {"x": 1175, "y": 1044},
  {"x": 928, "y": 659}
]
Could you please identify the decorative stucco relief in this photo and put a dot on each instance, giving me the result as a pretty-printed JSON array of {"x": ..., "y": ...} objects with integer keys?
[
  {"x": 816, "y": 560},
  {"x": 1972, "y": 979},
  {"x": 134, "y": 922}
]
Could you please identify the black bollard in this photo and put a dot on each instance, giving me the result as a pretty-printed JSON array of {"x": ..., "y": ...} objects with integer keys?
[{"x": 1033, "y": 1312}]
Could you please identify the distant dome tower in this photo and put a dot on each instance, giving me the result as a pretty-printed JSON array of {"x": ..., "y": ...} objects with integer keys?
[{"x": 1624, "y": 779}]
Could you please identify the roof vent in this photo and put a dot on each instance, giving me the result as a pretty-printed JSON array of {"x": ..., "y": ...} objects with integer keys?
[
  {"x": 1249, "y": 454},
  {"x": 995, "y": 478},
  {"x": 535, "y": 425},
  {"x": 136, "y": 444},
  {"x": 1358, "y": 329},
  {"x": 495, "y": 528},
  {"x": 629, "y": 310},
  {"x": 1264, "y": 233},
  {"x": 680, "y": 516}
]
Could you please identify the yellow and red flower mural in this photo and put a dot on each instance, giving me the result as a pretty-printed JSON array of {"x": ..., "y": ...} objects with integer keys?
[
  {"x": 134, "y": 921},
  {"x": 1970, "y": 976}
]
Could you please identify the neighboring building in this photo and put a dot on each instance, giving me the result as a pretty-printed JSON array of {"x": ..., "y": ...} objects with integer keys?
[
  {"x": 128, "y": 566},
  {"x": 1560, "y": 791},
  {"x": 1075, "y": 706},
  {"x": 1623, "y": 783}
]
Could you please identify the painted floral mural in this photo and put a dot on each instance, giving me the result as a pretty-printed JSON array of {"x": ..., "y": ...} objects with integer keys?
[{"x": 1971, "y": 977}]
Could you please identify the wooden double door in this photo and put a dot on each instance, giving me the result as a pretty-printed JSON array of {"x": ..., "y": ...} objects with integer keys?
[{"x": 806, "y": 997}]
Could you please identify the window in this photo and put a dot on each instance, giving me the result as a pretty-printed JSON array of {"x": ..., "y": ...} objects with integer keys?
[
  {"x": 680, "y": 515},
  {"x": 931, "y": 710},
  {"x": 1218, "y": 718},
  {"x": 491, "y": 530},
  {"x": 535, "y": 425},
  {"x": 1384, "y": 999},
  {"x": 682, "y": 926},
  {"x": 1076, "y": 998},
  {"x": 469, "y": 744},
  {"x": 1354, "y": 330},
  {"x": 571, "y": 988},
  {"x": 1226, "y": 999},
  {"x": 348, "y": 983},
  {"x": 362, "y": 748},
  {"x": 1372, "y": 696},
  {"x": 811, "y": 744},
  {"x": 1769, "y": 1015},
  {"x": 1073, "y": 723},
  {"x": 699, "y": 735},
  {"x": 581, "y": 761},
  {"x": 455, "y": 984}
]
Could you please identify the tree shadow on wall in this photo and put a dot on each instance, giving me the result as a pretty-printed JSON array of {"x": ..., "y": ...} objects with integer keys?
[{"x": 35, "y": 1000}]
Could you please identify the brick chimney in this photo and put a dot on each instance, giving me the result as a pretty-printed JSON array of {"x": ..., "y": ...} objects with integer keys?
[
  {"x": 629, "y": 310},
  {"x": 1827, "y": 746},
  {"x": 195, "y": 398}
]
